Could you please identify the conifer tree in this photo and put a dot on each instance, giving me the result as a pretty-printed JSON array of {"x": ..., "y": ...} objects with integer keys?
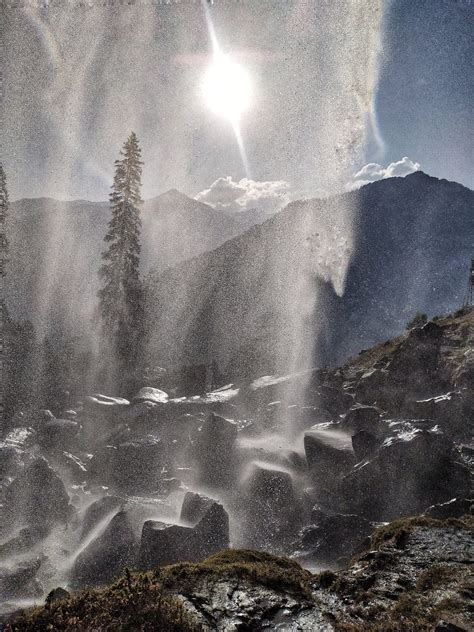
[
  {"x": 3, "y": 262},
  {"x": 4, "y": 207},
  {"x": 121, "y": 302}
]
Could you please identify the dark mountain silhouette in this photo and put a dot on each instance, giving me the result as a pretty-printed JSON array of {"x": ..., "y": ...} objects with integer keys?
[{"x": 265, "y": 300}]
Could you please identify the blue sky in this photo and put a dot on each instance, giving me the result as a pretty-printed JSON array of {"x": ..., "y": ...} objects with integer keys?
[
  {"x": 76, "y": 81},
  {"x": 425, "y": 96}
]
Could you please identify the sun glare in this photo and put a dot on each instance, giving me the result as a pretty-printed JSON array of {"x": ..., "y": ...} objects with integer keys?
[{"x": 226, "y": 88}]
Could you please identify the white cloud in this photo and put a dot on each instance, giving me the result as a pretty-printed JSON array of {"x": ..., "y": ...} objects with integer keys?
[
  {"x": 373, "y": 171},
  {"x": 228, "y": 195}
]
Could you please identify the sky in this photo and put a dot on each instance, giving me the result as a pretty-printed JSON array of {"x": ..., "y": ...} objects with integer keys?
[{"x": 342, "y": 93}]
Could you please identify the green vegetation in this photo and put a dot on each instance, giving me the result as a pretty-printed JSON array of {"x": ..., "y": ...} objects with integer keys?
[
  {"x": 418, "y": 320},
  {"x": 121, "y": 296}
]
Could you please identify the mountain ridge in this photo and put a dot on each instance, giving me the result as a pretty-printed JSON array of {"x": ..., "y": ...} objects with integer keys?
[{"x": 412, "y": 242}]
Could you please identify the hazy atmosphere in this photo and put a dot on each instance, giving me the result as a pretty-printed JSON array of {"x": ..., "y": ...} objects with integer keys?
[{"x": 237, "y": 315}]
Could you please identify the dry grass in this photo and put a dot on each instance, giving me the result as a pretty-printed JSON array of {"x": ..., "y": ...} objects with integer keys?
[{"x": 149, "y": 601}]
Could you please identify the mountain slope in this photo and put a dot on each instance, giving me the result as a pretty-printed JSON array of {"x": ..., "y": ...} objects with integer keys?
[
  {"x": 56, "y": 246},
  {"x": 266, "y": 300}
]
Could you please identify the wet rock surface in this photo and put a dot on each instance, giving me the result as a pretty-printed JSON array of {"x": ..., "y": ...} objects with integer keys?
[
  {"x": 36, "y": 498},
  {"x": 246, "y": 465},
  {"x": 416, "y": 575},
  {"x": 207, "y": 532},
  {"x": 106, "y": 556}
]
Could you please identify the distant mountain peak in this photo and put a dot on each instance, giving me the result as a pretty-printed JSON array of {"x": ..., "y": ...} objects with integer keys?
[
  {"x": 174, "y": 194},
  {"x": 420, "y": 175}
]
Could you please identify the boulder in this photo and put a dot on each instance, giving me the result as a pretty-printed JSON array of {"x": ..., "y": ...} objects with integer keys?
[
  {"x": 150, "y": 394},
  {"x": 142, "y": 410},
  {"x": 57, "y": 594},
  {"x": 365, "y": 418},
  {"x": 101, "y": 416},
  {"x": 97, "y": 511},
  {"x": 214, "y": 451},
  {"x": 270, "y": 508},
  {"x": 364, "y": 444},
  {"x": 101, "y": 465},
  {"x": 11, "y": 460},
  {"x": 454, "y": 508},
  {"x": 137, "y": 465},
  {"x": 409, "y": 472},
  {"x": 58, "y": 433},
  {"x": 37, "y": 497},
  {"x": 194, "y": 507},
  {"x": 329, "y": 454},
  {"x": 164, "y": 543},
  {"x": 104, "y": 559},
  {"x": 20, "y": 582},
  {"x": 274, "y": 450},
  {"x": 448, "y": 410},
  {"x": 335, "y": 400},
  {"x": 333, "y": 537},
  {"x": 70, "y": 414},
  {"x": 22, "y": 541},
  {"x": 104, "y": 405}
]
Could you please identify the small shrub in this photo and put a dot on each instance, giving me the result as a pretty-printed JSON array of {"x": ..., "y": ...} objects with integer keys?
[
  {"x": 417, "y": 321},
  {"x": 325, "y": 579},
  {"x": 436, "y": 576}
]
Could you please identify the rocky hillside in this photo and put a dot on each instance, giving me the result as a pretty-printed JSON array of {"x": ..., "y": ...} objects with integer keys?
[
  {"x": 160, "y": 479},
  {"x": 56, "y": 246},
  {"x": 265, "y": 301},
  {"x": 414, "y": 576}
]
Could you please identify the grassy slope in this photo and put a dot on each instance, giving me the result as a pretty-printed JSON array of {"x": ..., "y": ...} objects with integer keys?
[{"x": 149, "y": 601}]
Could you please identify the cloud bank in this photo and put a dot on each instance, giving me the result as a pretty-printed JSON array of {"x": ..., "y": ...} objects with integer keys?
[
  {"x": 373, "y": 171},
  {"x": 233, "y": 196}
]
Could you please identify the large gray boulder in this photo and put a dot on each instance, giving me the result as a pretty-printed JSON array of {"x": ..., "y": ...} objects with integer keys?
[
  {"x": 150, "y": 394},
  {"x": 98, "y": 511},
  {"x": 164, "y": 543},
  {"x": 329, "y": 454},
  {"x": 214, "y": 451},
  {"x": 365, "y": 418},
  {"x": 409, "y": 472},
  {"x": 58, "y": 433},
  {"x": 104, "y": 559},
  {"x": 270, "y": 509},
  {"x": 454, "y": 508},
  {"x": 194, "y": 507},
  {"x": 364, "y": 444},
  {"x": 37, "y": 497}
]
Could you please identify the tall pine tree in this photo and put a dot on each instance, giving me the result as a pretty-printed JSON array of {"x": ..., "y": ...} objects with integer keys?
[
  {"x": 121, "y": 297},
  {"x": 3, "y": 262}
]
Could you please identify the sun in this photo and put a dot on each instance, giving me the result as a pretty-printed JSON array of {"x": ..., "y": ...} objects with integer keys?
[{"x": 226, "y": 88}]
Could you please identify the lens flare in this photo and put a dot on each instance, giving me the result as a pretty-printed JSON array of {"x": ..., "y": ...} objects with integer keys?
[{"x": 226, "y": 88}]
